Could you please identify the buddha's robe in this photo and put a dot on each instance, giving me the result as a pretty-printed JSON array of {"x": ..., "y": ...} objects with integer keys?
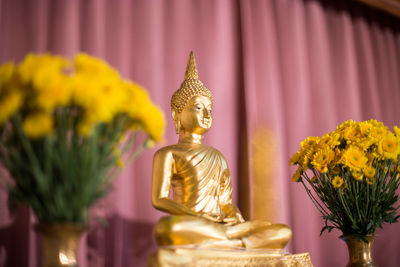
[{"x": 201, "y": 181}]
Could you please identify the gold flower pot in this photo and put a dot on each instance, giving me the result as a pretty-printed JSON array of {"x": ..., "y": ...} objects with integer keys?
[
  {"x": 359, "y": 251},
  {"x": 60, "y": 244}
]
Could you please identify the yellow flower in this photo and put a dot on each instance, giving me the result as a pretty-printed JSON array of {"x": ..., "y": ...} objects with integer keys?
[
  {"x": 34, "y": 66},
  {"x": 366, "y": 142},
  {"x": 38, "y": 125},
  {"x": 329, "y": 140},
  {"x": 378, "y": 132},
  {"x": 91, "y": 86},
  {"x": 297, "y": 175},
  {"x": 365, "y": 127},
  {"x": 396, "y": 131},
  {"x": 309, "y": 143},
  {"x": 352, "y": 134},
  {"x": 154, "y": 124},
  {"x": 342, "y": 127},
  {"x": 92, "y": 66},
  {"x": 376, "y": 123},
  {"x": 9, "y": 105},
  {"x": 388, "y": 147},
  {"x": 322, "y": 169},
  {"x": 100, "y": 98},
  {"x": 307, "y": 149},
  {"x": 295, "y": 159},
  {"x": 354, "y": 158},
  {"x": 369, "y": 171},
  {"x": 306, "y": 158},
  {"x": 337, "y": 182},
  {"x": 322, "y": 158},
  {"x": 120, "y": 163},
  {"x": 6, "y": 72},
  {"x": 335, "y": 170},
  {"x": 85, "y": 128},
  {"x": 141, "y": 110},
  {"x": 54, "y": 92},
  {"x": 357, "y": 175},
  {"x": 370, "y": 180}
]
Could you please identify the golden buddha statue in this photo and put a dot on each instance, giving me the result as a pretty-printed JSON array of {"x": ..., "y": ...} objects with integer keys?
[{"x": 202, "y": 210}]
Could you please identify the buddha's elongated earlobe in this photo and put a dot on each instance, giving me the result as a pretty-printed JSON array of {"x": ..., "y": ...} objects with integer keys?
[
  {"x": 177, "y": 122},
  {"x": 177, "y": 126}
]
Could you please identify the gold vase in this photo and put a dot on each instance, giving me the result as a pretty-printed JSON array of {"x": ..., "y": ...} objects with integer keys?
[
  {"x": 359, "y": 251},
  {"x": 60, "y": 244}
]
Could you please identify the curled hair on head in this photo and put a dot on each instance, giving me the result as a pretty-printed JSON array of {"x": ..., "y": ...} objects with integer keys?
[{"x": 190, "y": 87}]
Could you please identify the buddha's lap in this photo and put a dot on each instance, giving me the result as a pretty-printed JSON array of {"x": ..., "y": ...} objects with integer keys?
[{"x": 186, "y": 229}]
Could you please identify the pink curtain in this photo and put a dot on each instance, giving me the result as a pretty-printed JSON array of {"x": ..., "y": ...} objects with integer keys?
[{"x": 280, "y": 71}]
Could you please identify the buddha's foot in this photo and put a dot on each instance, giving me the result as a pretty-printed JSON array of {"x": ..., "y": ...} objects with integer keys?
[
  {"x": 222, "y": 244},
  {"x": 276, "y": 236}
]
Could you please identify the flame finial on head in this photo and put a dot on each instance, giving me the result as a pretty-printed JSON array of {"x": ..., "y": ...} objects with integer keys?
[
  {"x": 190, "y": 87},
  {"x": 191, "y": 68}
]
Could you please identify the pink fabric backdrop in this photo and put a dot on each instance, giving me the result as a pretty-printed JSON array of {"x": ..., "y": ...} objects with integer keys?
[{"x": 294, "y": 68}]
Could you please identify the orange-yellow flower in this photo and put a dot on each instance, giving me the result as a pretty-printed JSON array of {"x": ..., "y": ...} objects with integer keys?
[
  {"x": 297, "y": 175},
  {"x": 354, "y": 158},
  {"x": 310, "y": 142},
  {"x": 378, "y": 132},
  {"x": 120, "y": 163},
  {"x": 357, "y": 175},
  {"x": 322, "y": 158},
  {"x": 396, "y": 131},
  {"x": 337, "y": 182},
  {"x": 6, "y": 72},
  {"x": 389, "y": 147},
  {"x": 329, "y": 140},
  {"x": 335, "y": 170},
  {"x": 38, "y": 125},
  {"x": 10, "y": 105},
  {"x": 369, "y": 171},
  {"x": 352, "y": 134},
  {"x": 295, "y": 158}
]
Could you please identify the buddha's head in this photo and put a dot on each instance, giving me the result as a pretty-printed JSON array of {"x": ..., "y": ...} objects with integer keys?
[{"x": 191, "y": 104}]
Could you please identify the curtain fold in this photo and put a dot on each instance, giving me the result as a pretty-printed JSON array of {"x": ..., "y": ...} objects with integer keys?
[{"x": 280, "y": 71}]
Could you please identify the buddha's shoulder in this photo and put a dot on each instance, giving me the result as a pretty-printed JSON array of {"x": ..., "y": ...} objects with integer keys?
[
  {"x": 165, "y": 150},
  {"x": 214, "y": 150},
  {"x": 182, "y": 148}
]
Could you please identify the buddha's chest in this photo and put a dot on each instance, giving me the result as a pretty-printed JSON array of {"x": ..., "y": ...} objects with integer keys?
[
  {"x": 198, "y": 163},
  {"x": 197, "y": 172}
]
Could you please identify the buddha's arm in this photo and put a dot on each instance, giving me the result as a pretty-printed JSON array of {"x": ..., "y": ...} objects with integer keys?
[
  {"x": 232, "y": 213},
  {"x": 163, "y": 165}
]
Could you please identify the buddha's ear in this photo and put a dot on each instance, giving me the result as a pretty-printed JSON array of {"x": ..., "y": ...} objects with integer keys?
[{"x": 177, "y": 122}]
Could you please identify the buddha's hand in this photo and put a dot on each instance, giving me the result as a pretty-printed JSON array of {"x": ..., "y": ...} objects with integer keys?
[
  {"x": 210, "y": 218},
  {"x": 233, "y": 219},
  {"x": 232, "y": 215}
]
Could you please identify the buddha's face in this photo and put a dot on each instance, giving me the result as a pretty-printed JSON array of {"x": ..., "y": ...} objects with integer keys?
[{"x": 196, "y": 116}]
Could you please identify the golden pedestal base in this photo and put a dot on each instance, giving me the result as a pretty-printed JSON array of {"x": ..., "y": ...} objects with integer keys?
[{"x": 197, "y": 257}]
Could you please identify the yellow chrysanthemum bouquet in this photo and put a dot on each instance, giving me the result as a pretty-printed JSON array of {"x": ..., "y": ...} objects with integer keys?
[
  {"x": 351, "y": 175},
  {"x": 64, "y": 126}
]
